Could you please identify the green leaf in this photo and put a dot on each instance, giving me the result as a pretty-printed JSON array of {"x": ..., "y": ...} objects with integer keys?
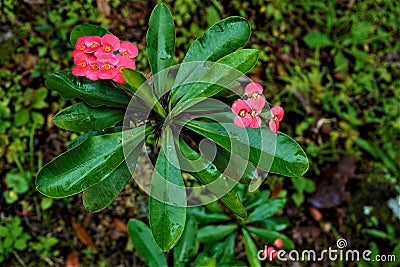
[
  {"x": 276, "y": 223},
  {"x": 83, "y": 118},
  {"x": 256, "y": 199},
  {"x": 228, "y": 249},
  {"x": 251, "y": 250},
  {"x": 206, "y": 172},
  {"x": 101, "y": 195},
  {"x": 144, "y": 243},
  {"x": 270, "y": 236},
  {"x": 79, "y": 140},
  {"x": 290, "y": 159},
  {"x": 258, "y": 144},
  {"x": 20, "y": 181},
  {"x": 87, "y": 164},
  {"x": 212, "y": 233},
  {"x": 135, "y": 80},
  {"x": 86, "y": 30},
  {"x": 167, "y": 201},
  {"x": 204, "y": 261},
  {"x": 94, "y": 93},
  {"x": 267, "y": 209},
  {"x": 143, "y": 90},
  {"x": 39, "y": 99},
  {"x": 219, "y": 77},
  {"x": 202, "y": 216},
  {"x": 160, "y": 44},
  {"x": 220, "y": 40},
  {"x": 227, "y": 163},
  {"x": 186, "y": 248},
  {"x": 317, "y": 39},
  {"x": 377, "y": 233}
]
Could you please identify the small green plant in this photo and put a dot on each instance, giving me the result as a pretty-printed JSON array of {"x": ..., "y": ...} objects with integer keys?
[{"x": 12, "y": 237}]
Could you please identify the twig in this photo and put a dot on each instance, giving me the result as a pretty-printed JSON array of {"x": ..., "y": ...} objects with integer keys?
[{"x": 19, "y": 258}]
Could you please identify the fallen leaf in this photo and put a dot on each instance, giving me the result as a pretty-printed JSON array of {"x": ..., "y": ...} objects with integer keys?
[
  {"x": 120, "y": 226},
  {"x": 83, "y": 236},
  {"x": 331, "y": 186},
  {"x": 315, "y": 213},
  {"x": 72, "y": 260}
]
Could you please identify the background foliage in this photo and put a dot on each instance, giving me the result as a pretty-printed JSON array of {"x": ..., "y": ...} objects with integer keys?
[{"x": 333, "y": 65}]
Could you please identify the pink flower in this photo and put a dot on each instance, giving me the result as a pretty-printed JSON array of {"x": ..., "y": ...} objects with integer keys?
[
  {"x": 107, "y": 62},
  {"x": 82, "y": 62},
  {"x": 128, "y": 49},
  {"x": 93, "y": 73},
  {"x": 255, "y": 120},
  {"x": 241, "y": 108},
  {"x": 80, "y": 43},
  {"x": 110, "y": 43},
  {"x": 276, "y": 116},
  {"x": 278, "y": 243},
  {"x": 253, "y": 88},
  {"x": 123, "y": 62},
  {"x": 255, "y": 98},
  {"x": 92, "y": 43},
  {"x": 270, "y": 253}
]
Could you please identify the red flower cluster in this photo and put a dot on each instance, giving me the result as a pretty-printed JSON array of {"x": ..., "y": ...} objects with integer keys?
[
  {"x": 103, "y": 58},
  {"x": 248, "y": 110}
]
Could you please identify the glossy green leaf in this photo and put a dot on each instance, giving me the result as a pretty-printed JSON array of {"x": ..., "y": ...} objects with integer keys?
[
  {"x": 270, "y": 236},
  {"x": 134, "y": 79},
  {"x": 220, "y": 40},
  {"x": 256, "y": 199},
  {"x": 86, "y": 30},
  {"x": 160, "y": 44},
  {"x": 102, "y": 194},
  {"x": 228, "y": 249},
  {"x": 208, "y": 173},
  {"x": 143, "y": 90},
  {"x": 276, "y": 223},
  {"x": 83, "y": 118},
  {"x": 267, "y": 209},
  {"x": 202, "y": 216},
  {"x": 204, "y": 261},
  {"x": 144, "y": 243},
  {"x": 218, "y": 77},
  {"x": 251, "y": 250},
  {"x": 289, "y": 159},
  {"x": 239, "y": 140},
  {"x": 212, "y": 233},
  {"x": 167, "y": 202},
  {"x": 186, "y": 248},
  {"x": 94, "y": 93},
  {"x": 87, "y": 164},
  {"x": 227, "y": 163},
  {"x": 79, "y": 140}
]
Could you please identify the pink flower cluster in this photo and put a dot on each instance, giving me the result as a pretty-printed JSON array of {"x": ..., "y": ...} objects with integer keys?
[
  {"x": 103, "y": 58},
  {"x": 271, "y": 252},
  {"x": 248, "y": 110}
]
